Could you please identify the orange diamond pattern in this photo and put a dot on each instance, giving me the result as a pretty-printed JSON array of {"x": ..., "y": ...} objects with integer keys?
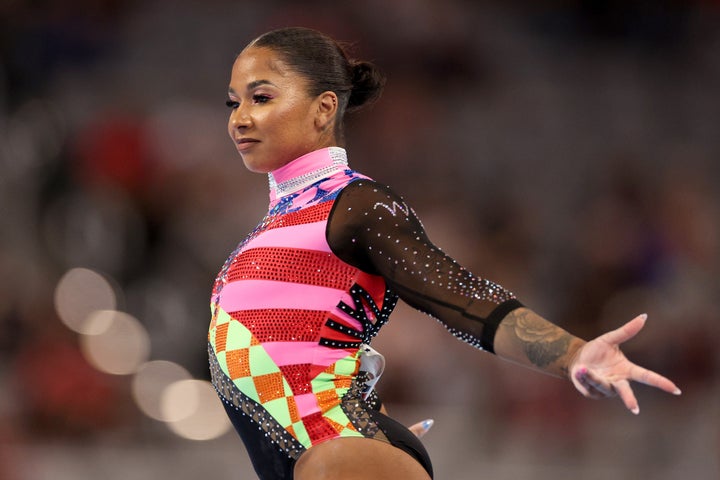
[
  {"x": 221, "y": 333},
  {"x": 342, "y": 382},
  {"x": 238, "y": 363},
  {"x": 269, "y": 387},
  {"x": 327, "y": 399},
  {"x": 293, "y": 409}
]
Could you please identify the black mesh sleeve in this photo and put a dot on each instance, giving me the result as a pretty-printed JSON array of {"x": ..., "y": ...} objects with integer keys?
[{"x": 373, "y": 229}]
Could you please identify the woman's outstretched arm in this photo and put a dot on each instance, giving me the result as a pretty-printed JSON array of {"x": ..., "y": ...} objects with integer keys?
[
  {"x": 375, "y": 230},
  {"x": 597, "y": 368}
]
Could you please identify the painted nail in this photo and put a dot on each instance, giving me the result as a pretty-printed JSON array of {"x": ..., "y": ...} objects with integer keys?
[{"x": 427, "y": 424}]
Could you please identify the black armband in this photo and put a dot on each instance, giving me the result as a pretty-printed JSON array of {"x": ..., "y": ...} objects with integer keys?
[{"x": 490, "y": 325}]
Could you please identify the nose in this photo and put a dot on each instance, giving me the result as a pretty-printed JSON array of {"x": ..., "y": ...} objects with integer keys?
[{"x": 240, "y": 118}]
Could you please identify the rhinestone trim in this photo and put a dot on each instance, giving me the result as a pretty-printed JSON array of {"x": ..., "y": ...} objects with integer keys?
[
  {"x": 339, "y": 163},
  {"x": 256, "y": 413}
]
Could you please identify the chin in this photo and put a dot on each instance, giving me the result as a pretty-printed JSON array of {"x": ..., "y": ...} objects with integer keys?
[{"x": 254, "y": 166}]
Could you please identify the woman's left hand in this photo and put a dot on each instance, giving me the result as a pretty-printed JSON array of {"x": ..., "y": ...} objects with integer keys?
[
  {"x": 601, "y": 370},
  {"x": 421, "y": 428}
]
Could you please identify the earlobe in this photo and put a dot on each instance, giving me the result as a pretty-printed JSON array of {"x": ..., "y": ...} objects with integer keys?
[{"x": 327, "y": 107}]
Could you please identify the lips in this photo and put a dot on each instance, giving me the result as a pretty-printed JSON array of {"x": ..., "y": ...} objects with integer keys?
[{"x": 244, "y": 144}]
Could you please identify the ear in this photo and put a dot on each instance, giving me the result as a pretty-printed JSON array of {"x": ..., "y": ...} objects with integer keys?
[{"x": 327, "y": 107}]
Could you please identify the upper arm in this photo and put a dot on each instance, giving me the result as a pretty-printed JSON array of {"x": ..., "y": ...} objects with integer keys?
[{"x": 374, "y": 229}]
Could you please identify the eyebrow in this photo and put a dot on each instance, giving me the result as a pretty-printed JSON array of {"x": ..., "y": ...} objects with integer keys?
[{"x": 253, "y": 85}]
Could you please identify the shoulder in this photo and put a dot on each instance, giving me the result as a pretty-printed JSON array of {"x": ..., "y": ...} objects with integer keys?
[
  {"x": 367, "y": 200},
  {"x": 370, "y": 189}
]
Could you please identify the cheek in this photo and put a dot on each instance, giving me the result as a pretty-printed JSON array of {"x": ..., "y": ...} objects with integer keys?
[
  {"x": 297, "y": 127},
  {"x": 296, "y": 114}
]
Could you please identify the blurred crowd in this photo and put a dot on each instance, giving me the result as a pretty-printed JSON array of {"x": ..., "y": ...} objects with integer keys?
[{"x": 566, "y": 149}]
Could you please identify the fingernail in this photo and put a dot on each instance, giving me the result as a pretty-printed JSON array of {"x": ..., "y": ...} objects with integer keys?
[
  {"x": 635, "y": 410},
  {"x": 427, "y": 424},
  {"x": 643, "y": 316},
  {"x": 677, "y": 392}
]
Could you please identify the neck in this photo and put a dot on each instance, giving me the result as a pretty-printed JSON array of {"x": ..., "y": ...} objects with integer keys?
[{"x": 305, "y": 171}]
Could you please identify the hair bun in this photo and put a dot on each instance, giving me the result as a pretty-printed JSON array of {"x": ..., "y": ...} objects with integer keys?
[{"x": 367, "y": 84}]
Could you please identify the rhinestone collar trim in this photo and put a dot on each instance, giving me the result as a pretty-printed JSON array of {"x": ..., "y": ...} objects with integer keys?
[{"x": 307, "y": 170}]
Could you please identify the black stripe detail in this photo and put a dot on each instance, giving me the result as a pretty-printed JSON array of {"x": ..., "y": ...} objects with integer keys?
[
  {"x": 490, "y": 325},
  {"x": 326, "y": 342},
  {"x": 339, "y": 327}
]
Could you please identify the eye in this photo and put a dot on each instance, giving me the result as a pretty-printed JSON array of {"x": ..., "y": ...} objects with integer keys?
[
  {"x": 261, "y": 98},
  {"x": 232, "y": 104}
]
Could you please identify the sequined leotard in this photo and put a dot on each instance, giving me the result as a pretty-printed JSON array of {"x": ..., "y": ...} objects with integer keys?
[{"x": 312, "y": 283}]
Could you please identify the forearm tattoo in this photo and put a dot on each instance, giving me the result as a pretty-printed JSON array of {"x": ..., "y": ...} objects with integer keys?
[{"x": 542, "y": 342}]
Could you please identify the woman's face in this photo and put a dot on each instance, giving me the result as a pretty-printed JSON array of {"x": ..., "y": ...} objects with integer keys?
[{"x": 273, "y": 118}]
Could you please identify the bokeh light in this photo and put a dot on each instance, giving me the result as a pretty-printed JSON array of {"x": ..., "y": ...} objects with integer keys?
[
  {"x": 151, "y": 381},
  {"x": 119, "y": 344},
  {"x": 199, "y": 413},
  {"x": 79, "y": 293},
  {"x": 180, "y": 400}
]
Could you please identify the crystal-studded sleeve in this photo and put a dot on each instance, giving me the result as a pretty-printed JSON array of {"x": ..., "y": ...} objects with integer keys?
[{"x": 373, "y": 229}]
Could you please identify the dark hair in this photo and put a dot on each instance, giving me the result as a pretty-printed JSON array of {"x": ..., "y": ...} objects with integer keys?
[{"x": 327, "y": 67}]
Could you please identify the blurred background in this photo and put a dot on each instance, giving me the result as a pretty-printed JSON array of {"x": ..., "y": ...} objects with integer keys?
[{"x": 566, "y": 149}]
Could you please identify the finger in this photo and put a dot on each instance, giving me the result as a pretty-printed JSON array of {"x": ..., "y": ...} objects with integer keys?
[
  {"x": 628, "y": 397},
  {"x": 648, "y": 377},
  {"x": 594, "y": 393},
  {"x": 421, "y": 428},
  {"x": 595, "y": 384},
  {"x": 625, "y": 332},
  {"x": 590, "y": 388},
  {"x": 579, "y": 383}
]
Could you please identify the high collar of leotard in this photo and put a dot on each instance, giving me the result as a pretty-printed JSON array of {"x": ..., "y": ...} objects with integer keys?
[{"x": 306, "y": 170}]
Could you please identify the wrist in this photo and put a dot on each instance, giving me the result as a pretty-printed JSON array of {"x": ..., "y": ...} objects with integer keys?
[{"x": 573, "y": 354}]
